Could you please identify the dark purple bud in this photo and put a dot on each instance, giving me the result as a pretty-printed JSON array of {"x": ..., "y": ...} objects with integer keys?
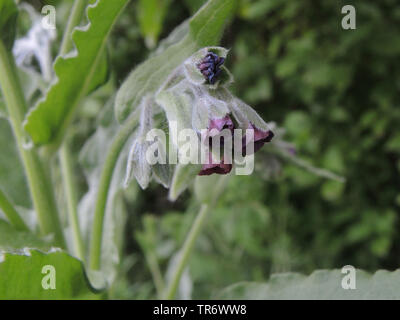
[
  {"x": 211, "y": 56},
  {"x": 260, "y": 138},
  {"x": 206, "y": 65},
  {"x": 210, "y": 66},
  {"x": 220, "y": 61},
  {"x": 211, "y": 78},
  {"x": 217, "y": 73}
]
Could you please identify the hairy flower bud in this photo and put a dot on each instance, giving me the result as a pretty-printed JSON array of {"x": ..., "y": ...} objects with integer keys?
[{"x": 210, "y": 66}]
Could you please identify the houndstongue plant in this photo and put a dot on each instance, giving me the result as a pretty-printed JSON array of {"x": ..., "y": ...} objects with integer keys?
[{"x": 183, "y": 85}]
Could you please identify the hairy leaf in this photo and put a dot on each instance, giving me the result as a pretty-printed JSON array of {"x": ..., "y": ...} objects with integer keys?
[
  {"x": 138, "y": 165},
  {"x": 12, "y": 178},
  {"x": 205, "y": 29},
  {"x": 12, "y": 240},
  {"x": 320, "y": 285},
  {"x": 77, "y": 73},
  {"x": 183, "y": 176}
]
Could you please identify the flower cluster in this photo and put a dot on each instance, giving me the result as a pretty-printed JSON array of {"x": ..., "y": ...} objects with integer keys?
[
  {"x": 207, "y": 126},
  {"x": 217, "y": 125}
]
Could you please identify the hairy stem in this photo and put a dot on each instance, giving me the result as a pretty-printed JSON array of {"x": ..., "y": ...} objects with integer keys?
[
  {"x": 155, "y": 273},
  {"x": 105, "y": 181},
  {"x": 64, "y": 153},
  {"x": 75, "y": 18},
  {"x": 192, "y": 237},
  {"x": 304, "y": 165},
  {"x": 186, "y": 250},
  {"x": 11, "y": 214},
  {"x": 72, "y": 203},
  {"x": 38, "y": 179}
]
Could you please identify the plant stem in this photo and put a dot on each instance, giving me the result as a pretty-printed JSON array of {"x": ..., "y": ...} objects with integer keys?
[
  {"x": 155, "y": 273},
  {"x": 305, "y": 165},
  {"x": 208, "y": 202},
  {"x": 64, "y": 153},
  {"x": 186, "y": 250},
  {"x": 12, "y": 214},
  {"x": 75, "y": 18},
  {"x": 38, "y": 180},
  {"x": 72, "y": 204},
  {"x": 105, "y": 181}
]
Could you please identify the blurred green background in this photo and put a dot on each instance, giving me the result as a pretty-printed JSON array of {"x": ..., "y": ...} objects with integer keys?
[{"x": 334, "y": 91}]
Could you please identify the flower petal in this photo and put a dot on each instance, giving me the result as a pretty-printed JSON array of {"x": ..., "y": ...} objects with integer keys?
[{"x": 260, "y": 138}]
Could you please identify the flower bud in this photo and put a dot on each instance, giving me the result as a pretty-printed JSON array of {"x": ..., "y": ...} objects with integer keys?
[{"x": 210, "y": 66}]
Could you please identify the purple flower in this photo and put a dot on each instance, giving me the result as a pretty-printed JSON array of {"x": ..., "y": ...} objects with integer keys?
[
  {"x": 221, "y": 124},
  {"x": 260, "y": 138},
  {"x": 218, "y": 168},
  {"x": 215, "y": 126}
]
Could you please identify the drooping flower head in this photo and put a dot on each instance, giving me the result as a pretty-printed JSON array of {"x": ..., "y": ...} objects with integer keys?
[{"x": 197, "y": 96}]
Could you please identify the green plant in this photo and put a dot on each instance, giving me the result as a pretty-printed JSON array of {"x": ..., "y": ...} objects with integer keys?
[{"x": 42, "y": 123}]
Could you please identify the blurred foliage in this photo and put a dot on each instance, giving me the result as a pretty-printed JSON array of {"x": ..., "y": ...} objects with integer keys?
[
  {"x": 151, "y": 14},
  {"x": 335, "y": 91},
  {"x": 337, "y": 94}
]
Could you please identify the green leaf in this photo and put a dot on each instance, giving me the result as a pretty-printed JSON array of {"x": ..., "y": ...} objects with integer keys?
[
  {"x": 21, "y": 265},
  {"x": 12, "y": 240},
  {"x": 205, "y": 29},
  {"x": 151, "y": 14},
  {"x": 194, "y": 5},
  {"x": 320, "y": 285},
  {"x": 8, "y": 21},
  {"x": 12, "y": 178},
  {"x": 173, "y": 38},
  {"x": 78, "y": 73},
  {"x": 183, "y": 176},
  {"x": 21, "y": 276},
  {"x": 177, "y": 107}
]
